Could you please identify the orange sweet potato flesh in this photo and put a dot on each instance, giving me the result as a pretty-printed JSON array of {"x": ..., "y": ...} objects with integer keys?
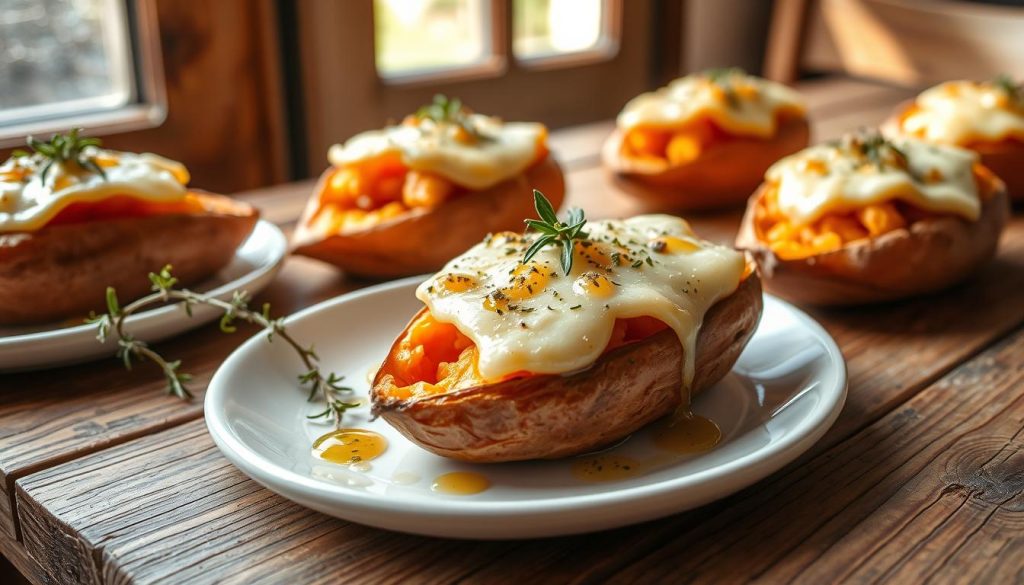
[
  {"x": 423, "y": 239},
  {"x": 62, "y": 270},
  {"x": 551, "y": 416},
  {"x": 926, "y": 256},
  {"x": 724, "y": 174}
]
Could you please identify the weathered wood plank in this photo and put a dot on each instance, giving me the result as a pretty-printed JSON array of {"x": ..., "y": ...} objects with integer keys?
[
  {"x": 54, "y": 416},
  {"x": 168, "y": 508},
  {"x": 933, "y": 490}
]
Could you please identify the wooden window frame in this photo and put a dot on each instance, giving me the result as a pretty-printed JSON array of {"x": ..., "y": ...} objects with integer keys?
[{"x": 148, "y": 109}]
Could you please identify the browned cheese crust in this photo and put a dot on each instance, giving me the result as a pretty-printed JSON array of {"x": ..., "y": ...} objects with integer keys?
[
  {"x": 722, "y": 176},
  {"x": 63, "y": 271},
  {"x": 927, "y": 256},
  {"x": 423, "y": 240},
  {"x": 551, "y": 416}
]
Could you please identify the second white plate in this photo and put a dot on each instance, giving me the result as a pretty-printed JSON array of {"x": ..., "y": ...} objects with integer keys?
[
  {"x": 783, "y": 394},
  {"x": 255, "y": 263}
]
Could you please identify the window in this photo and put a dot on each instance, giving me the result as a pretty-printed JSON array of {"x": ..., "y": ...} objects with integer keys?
[
  {"x": 549, "y": 28},
  {"x": 70, "y": 62},
  {"x": 417, "y": 40},
  {"x": 417, "y": 36}
]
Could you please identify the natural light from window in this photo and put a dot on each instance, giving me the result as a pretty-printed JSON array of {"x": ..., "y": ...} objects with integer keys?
[
  {"x": 545, "y": 28},
  {"x": 414, "y": 36},
  {"x": 62, "y": 57}
]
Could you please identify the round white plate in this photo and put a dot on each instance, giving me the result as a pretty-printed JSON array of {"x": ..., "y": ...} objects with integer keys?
[
  {"x": 783, "y": 394},
  {"x": 56, "y": 344}
]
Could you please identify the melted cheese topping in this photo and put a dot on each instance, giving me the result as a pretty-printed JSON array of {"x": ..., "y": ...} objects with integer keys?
[
  {"x": 503, "y": 150},
  {"x": 533, "y": 318},
  {"x": 838, "y": 177},
  {"x": 739, "y": 103},
  {"x": 27, "y": 202},
  {"x": 960, "y": 112}
]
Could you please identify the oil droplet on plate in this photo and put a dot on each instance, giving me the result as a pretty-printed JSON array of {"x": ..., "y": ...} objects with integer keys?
[
  {"x": 606, "y": 467},
  {"x": 460, "y": 483},
  {"x": 687, "y": 434},
  {"x": 349, "y": 446}
]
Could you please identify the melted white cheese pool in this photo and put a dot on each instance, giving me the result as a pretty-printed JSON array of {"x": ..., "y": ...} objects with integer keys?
[
  {"x": 748, "y": 108},
  {"x": 534, "y": 318},
  {"x": 959, "y": 112},
  {"x": 505, "y": 150},
  {"x": 831, "y": 178},
  {"x": 27, "y": 202}
]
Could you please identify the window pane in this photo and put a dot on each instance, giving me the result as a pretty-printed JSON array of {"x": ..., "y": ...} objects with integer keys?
[
  {"x": 62, "y": 56},
  {"x": 543, "y": 28},
  {"x": 413, "y": 36}
]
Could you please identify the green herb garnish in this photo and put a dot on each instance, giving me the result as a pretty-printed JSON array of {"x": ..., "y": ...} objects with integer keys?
[
  {"x": 445, "y": 110},
  {"x": 64, "y": 149},
  {"x": 328, "y": 386},
  {"x": 1008, "y": 86},
  {"x": 555, "y": 232},
  {"x": 723, "y": 77}
]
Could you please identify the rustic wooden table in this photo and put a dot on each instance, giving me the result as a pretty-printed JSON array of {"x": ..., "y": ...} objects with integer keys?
[{"x": 107, "y": 480}]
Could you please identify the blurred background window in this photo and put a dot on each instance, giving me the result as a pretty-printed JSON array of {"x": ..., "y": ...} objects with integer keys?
[
  {"x": 414, "y": 36},
  {"x": 546, "y": 28},
  {"x": 63, "y": 57}
]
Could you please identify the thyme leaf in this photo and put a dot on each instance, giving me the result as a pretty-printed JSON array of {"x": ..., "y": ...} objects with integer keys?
[
  {"x": 553, "y": 231},
  {"x": 328, "y": 386}
]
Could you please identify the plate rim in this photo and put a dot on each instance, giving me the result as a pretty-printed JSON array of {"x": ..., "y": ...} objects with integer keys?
[
  {"x": 143, "y": 317},
  {"x": 783, "y": 451}
]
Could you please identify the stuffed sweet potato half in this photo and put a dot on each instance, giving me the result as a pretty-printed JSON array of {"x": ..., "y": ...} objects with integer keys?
[
  {"x": 866, "y": 220},
  {"x": 541, "y": 363},
  {"x": 704, "y": 141},
  {"x": 70, "y": 226},
  {"x": 406, "y": 199},
  {"x": 986, "y": 117}
]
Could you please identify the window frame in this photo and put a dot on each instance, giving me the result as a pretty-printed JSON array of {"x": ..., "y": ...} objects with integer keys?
[{"x": 147, "y": 107}]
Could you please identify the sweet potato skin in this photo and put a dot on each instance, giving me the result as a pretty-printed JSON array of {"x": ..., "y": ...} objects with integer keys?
[
  {"x": 723, "y": 176},
  {"x": 423, "y": 240},
  {"x": 926, "y": 256},
  {"x": 62, "y": 271},
  {"x": 1005, "y": 158},
  {"x": 551, "y": 416}
]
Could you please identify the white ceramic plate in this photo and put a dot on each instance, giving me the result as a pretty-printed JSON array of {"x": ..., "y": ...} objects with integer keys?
[
  {"x": 783, "y": 394},
  {"x": 38, "y": 347}
]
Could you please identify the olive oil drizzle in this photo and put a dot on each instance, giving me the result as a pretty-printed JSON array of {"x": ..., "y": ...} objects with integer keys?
[{"x": 352, "y": 447}]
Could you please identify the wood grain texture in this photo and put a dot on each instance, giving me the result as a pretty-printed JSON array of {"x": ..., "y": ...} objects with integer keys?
[{"x": 225, "y": 118}]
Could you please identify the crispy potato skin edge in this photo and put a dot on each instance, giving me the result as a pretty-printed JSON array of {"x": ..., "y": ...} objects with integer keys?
[
  {"x": 1004, "y": 158},
  {"x": 550, "y": 416},
  {"x": 723, "y": 176},
  {"x": 423, "y": 240},
  {"x": 925, "y": 257},
  {"x": 63, "y": 271}
]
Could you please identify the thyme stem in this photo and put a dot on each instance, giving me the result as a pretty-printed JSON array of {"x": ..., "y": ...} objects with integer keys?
[{"x": 327, "y": 387}]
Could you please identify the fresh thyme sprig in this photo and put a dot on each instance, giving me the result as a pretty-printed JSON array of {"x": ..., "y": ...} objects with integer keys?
[
  {"x": 1007, "y": 85},
  {"x": 723, "y": 78},
  {"x": 445, "y": 110},
  {"x": 874, "y": 147},
  {"x": 328, "y": 387},
  {"x": 563, "y": 235},
  {"x": 64, "y": 149}
]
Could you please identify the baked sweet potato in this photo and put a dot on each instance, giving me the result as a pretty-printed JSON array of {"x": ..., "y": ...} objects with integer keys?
[
  {"x": 724, "y": 174},
  {"x": 422, "y": 239},
  {"x": 925, "y": 256},
  {"x": 551, "y": 416},
  {"x": 63, "y": 269},
  {"x": 1003, "y": 157}
]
